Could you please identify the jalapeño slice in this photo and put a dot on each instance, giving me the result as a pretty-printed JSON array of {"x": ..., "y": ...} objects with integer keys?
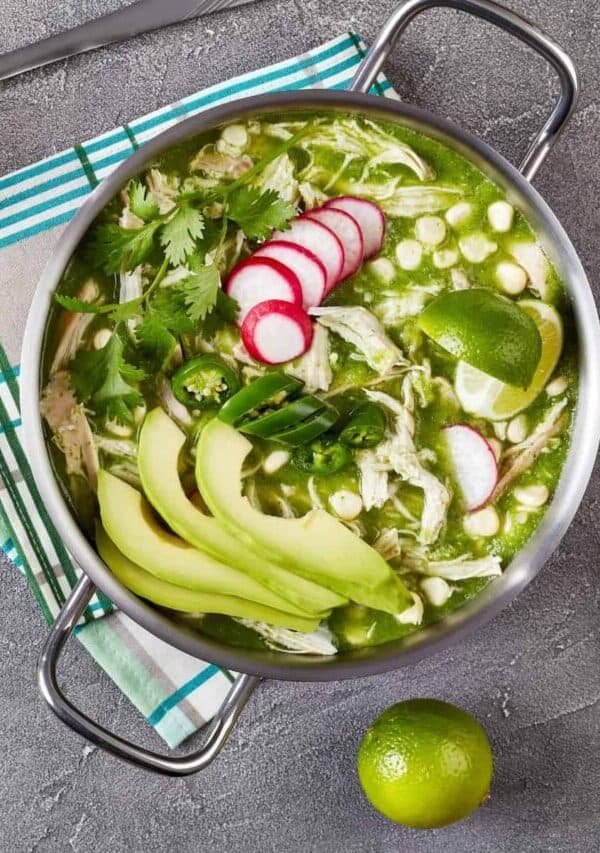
[
  {"x": 289, "y": 415},
  {"x": 322, "y": 457},
  {"x": 270, "y": 390},
  {"x": 204, "y": 382},
  {"x": 308, "y": 429},
  {"x": 366, "y": 426}
]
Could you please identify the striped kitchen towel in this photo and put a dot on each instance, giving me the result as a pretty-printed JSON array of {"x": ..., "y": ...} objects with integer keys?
[{"x": 176, "y": 693}]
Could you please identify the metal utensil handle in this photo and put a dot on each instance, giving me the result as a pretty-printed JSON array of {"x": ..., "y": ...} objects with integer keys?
[
  {"x": 217, "y": 731},
  {"x": 506, "y": 20},
  {"x": 140, "y": 17}
]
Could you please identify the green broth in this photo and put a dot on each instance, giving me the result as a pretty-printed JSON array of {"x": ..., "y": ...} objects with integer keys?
[{"x": 327, "y": 172}]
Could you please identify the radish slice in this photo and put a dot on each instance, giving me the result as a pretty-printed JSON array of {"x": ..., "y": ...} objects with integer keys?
[
  {"x": 348, "y": 232},
  {"x": 321, "y": 241},
  {"x": 276, "y": 331},
  {"x": 258, "y": 279},
  {"x": 474, "y": 463},
  {"x": 310, "y": 271},
  {"x": 369, "y": 217}
]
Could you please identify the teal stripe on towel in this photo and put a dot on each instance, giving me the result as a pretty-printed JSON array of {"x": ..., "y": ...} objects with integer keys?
[{"x": 185, "y": 690}]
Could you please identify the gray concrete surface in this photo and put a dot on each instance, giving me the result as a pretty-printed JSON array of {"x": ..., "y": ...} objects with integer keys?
[{"x": 286, "y": 782}]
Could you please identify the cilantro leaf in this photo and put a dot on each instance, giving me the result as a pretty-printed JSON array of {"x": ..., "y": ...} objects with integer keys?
[
  {"x": 126, "y": 310},
  {"x": 155, "y": 341},
  {"x": 170, "y": 308},
  {"x": 225, "y": 311},
  {"x": 102, "y": 379},
  {"x": 141, "y": 202},
  {"x": 259, "y": 213},
  {"x": 112, "y": 248},
  {"x": 181, "y": 308},
  {"x": 72, "y": 303},
  {"x": 200, "y": 292},
  {"x": 179, "y": 235},
  {"x": 117, "y": 311},
  {"x": 227, "y": 307}
]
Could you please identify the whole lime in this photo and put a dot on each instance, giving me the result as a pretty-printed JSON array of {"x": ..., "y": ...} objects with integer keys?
[{"x": 425, "y": 763}]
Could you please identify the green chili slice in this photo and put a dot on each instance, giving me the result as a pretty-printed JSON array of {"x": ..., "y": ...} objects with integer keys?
[
  {"x": 204, "y": 382},
  {"x": 366, "y": 426},
  {"x": 308, "y": 429},
  {"x": 321, "y": 457},
  {"x": 270, "y": 390},
  {"x": 288, "y": 416}
]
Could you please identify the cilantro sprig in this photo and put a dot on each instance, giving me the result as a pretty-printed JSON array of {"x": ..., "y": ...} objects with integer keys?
[
  {"x": 112, "y": 248},
  {"x": 180, "y": 234},
  {"x": 102, "y": 380},
  {"x": 141, "y": 202},
  {"x": 257, "y": 212},
  {"x": 183, "y": 236}
]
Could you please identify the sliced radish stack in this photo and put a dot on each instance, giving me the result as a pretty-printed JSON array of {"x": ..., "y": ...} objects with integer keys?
[
  {"x": 474, "y": 464},
  {"x": 276, "y": 331},
  {"x": 259, "y": 279},
  {"x": 346, "y": 228},
  {"x": 320, "y": 240},
  {"x": 310, "y": 271},
  {"x": 370, "y": 219}
]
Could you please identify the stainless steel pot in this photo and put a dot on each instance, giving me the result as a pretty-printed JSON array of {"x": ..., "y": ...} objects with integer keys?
[{"x": 577, "y": 469}]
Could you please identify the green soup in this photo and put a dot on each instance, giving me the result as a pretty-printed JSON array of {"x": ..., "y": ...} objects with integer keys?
[{"x": 164, "y": 248}]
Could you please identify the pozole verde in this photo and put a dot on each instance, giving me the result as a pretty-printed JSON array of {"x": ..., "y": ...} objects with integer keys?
[{"x": 309, "y": 382}]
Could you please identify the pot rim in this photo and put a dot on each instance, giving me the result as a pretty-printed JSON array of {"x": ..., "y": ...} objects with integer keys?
[{"x": 574, "y": 477}]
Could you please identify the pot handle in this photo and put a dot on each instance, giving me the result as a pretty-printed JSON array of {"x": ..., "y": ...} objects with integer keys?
[
  {"x": 217, "y": 731},
  {"x": 506, "y": 20}
]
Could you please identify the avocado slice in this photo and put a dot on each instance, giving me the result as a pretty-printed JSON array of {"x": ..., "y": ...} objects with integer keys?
[
  {"x": 316, "y": 546},
  {"x": 165, "y": 594},
  {"x": 129, "y": 521},
  {"x": 159, "y": 447}
]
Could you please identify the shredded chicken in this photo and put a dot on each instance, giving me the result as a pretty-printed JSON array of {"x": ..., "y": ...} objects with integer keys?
[
  {"x": 74, "y": 328},
  {"x": 388, "y": 544},
  {"x": 521, "y": 456},
  {"x": 285, "y": 509},
  {"x": 398, "y": 307},
  {"x": 314, "y": 368},
  {"x": 373, "y": 479},
  {"x": 58, "y": 400},
  {"x": 127, "y": 470},
  {"x": 164, "y": 188},
  {"x": 412, "y": 615},
  {"x": 531, "y": 257},
  {"x": 395, "y": 406},
  {"x": 463, "y": 567},
  {"x": 283, "y": 129},
  {"x": 398, "y": 452},
  {"x": 116, "y": 446},
  {"x": 129, "y": 220},
  {"x": 319, "y": 642},
  {"x": 362, "y": 329},
  {"x": 251, "y": 494},
  {"x": 131, "y": 286},
  {"x": 279, "y": 175},
  {"x": 175, "y": 275},
  {"x": 171, "y": 404},
  {"x": 373, "y": 145},
  {"x": 404, "y": 201},
  {"x": 216, "y": 164},
  {"x": 313, "y": 494},
  {"x": 70, "y": 427},
  {"x": 311, "y": 195},
  {"x": 241, "y": 354}
]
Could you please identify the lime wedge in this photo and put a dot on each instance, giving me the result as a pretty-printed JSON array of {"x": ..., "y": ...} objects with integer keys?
[
  {"x": 486, "y": 397},
  {"x": 486, "y": 330}
]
